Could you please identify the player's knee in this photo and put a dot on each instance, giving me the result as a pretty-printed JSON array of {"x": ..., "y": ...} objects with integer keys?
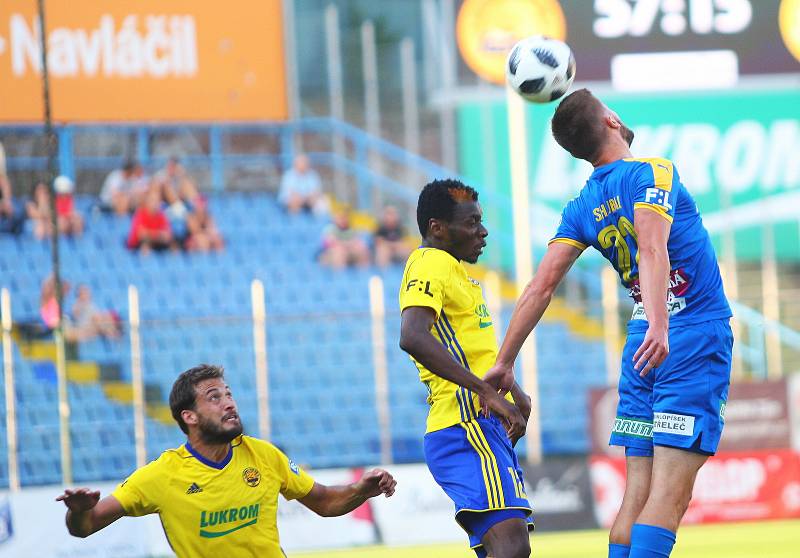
[
  {"x": 522, "y": 548},
  {"x": 515, "y": 547},
  {"x": 683, "y": 504}
]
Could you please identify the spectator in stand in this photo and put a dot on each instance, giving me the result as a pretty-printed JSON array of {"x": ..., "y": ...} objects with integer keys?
[
  {"x": 124, "y": 189},
  {"x": 12, "y": 217},
  {"x": 173, "y": 174},
  {"x": 192, "y": 224},
  {"x": 301, "y": 189},
  {"x": 177, "y": 210},
  {"x": 48, "y": 309},
  {"x": 390, "y": 245},
  {"x": 39, "y": 212},
  {"x": 343, "y": 246},
  {"x": 150, "y": 228},
  {"x": 203, "y": 235},
  {"x": 92, "y": 322},
  {"x": 48, "y": 304},
  {"x": 70, "y": 222},
  {"x": 86, "y": 320}
]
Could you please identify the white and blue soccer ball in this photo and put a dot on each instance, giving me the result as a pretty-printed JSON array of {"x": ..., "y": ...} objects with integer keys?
[{"x": 540, "y": 69}]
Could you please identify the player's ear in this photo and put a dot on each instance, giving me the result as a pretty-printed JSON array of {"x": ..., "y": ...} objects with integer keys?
[
  {"x": 612, "y": 121},
  {"x": 435, "y": 228},
  {"x": 189, "y": 417}
]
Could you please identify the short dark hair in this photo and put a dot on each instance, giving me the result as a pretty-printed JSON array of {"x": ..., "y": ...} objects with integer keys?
[
  {"x": 438, "y": 200},
  {"x": 182, "y": 397},
  {"x": 577, "y": 126}
]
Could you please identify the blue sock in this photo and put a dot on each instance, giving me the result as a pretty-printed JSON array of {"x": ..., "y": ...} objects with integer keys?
[
  {"x": 649, "y": 541},
  {"x": 618, "y": 550}
]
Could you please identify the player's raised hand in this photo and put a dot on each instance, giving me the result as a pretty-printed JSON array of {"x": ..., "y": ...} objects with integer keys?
[
  {"x": 79, "y": 499},
  {"x": 653, "y": 350},
  {"x": 375, "y": 482}
]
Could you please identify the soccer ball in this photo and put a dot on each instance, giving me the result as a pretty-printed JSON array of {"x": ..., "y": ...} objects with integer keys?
[{"x": 540, "y": 69}]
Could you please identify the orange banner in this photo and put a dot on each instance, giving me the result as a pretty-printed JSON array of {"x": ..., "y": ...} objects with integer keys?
[
  {"x": 732, "y": 486},
  {"x": 154, "y": 60}
]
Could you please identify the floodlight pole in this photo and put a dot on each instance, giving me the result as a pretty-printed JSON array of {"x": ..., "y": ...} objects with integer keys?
[
  {"x": 380, "y": 366},
  {"x": 11, "y": 394},
  {"x": 51, "y": 143},
  {"x": 523, "y": 256}
]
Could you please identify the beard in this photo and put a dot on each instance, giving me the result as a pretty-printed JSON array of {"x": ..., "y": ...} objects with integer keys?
[
  {"x": 213, "y": 432},
  {"x": 627, "y": 134}
]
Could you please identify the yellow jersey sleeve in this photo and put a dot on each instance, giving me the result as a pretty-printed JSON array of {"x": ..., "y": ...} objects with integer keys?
[
  {"x": 295, "y": 482},
  {"x": 425, "y": 279},
  {"x": 139, "y": 493}
]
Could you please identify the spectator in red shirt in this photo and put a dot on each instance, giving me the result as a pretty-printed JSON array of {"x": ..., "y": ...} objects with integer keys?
[
  {"x": 150, "y": 229},
  {"x": 70, "y": 222}
]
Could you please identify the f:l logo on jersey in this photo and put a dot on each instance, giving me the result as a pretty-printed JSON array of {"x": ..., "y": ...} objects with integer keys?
[{"x": 657, "y": 196}]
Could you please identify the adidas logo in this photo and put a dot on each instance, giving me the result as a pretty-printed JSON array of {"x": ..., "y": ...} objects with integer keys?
[{"x": 194, "y": 489}]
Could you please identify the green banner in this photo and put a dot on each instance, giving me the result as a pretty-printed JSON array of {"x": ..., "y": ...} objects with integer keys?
[{"x": 740, "y": 148}]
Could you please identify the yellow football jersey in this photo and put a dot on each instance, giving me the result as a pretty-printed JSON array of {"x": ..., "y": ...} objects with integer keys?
[
  {"x": 217, "y": 509},
  {"x": 435, "y": 279}
]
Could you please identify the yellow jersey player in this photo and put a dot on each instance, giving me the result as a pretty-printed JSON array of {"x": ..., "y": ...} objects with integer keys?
[
  {"x": 216, "y": 495},
  {"x": 448, "y": 331}
]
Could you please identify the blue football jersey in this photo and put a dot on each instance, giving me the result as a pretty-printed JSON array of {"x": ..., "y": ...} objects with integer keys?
[{"x": 602, "y": 215}]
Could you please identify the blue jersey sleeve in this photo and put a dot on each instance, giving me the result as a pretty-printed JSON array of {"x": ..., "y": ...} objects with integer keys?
[
  {"x": 569, "y": 230},
  {"x": 653, "y": 182}
]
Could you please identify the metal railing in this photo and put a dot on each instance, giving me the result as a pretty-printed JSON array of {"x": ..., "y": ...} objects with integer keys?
[
  {"x": 755, "y": 330},
  {"x": 217, "y": 152}
]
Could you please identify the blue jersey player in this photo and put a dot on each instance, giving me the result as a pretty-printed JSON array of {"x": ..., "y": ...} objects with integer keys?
[{"x": 676, "y": 362}]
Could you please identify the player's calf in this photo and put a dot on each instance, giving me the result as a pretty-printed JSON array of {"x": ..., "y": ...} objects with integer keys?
[
  {"x": 674, "y": 473},
  {"x": 637, "y": 490}
]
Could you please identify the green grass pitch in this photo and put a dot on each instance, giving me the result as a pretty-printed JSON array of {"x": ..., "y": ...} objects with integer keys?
[{"x": 765, "y": 539}]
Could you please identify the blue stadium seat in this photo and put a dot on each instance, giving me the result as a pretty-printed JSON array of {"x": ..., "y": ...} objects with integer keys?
[{"x": 318, "y": 343}]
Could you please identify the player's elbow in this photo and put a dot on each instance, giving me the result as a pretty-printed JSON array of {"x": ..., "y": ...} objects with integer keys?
[
  {"x": 323, "y": 507},
  {"x": 322, "y": 511},
  {"x": 540, "y": 291},
  {"x": 409, "y": 342},
  {"x": 652, "y": 251},
  {"x": 78, "y": 532}
]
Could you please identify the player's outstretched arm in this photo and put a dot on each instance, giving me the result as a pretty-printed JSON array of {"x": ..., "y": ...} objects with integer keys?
[
  {"x": 87, "y": 513},
  {"x": 530, "y": 307},
  {"x": 331, "y": 501},
  {"x": 416, "y": 340},
  {"x": 652, "y": 234}
]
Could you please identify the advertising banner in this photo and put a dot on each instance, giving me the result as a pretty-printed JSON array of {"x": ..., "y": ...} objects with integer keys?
[
  {"x": 730, "y": 487},
  {"x": 28, "y": 515},
  {"x": 756, "y": 417},
  {"x": 419, "y": 512},
  {"x": 296, "y": 522},
  {"x": 561, "y": 494},
  {"x": 736, "y": 144},
  {"x": 793, "y": 397},
  {"x": 167, "y": 60},
  {"x": 141, "y": 537},
  {"x": 759, "y": 36}
]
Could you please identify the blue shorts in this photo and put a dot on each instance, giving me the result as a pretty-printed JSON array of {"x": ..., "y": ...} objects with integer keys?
[
  {"x": 681, "y": 403},
  {"x": 477, "y": 468}
]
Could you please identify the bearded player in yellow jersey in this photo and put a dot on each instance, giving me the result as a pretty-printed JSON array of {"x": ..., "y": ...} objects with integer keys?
[
  {"x": 447, "y": 330},
  {"x": 217, "y": 495}
]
